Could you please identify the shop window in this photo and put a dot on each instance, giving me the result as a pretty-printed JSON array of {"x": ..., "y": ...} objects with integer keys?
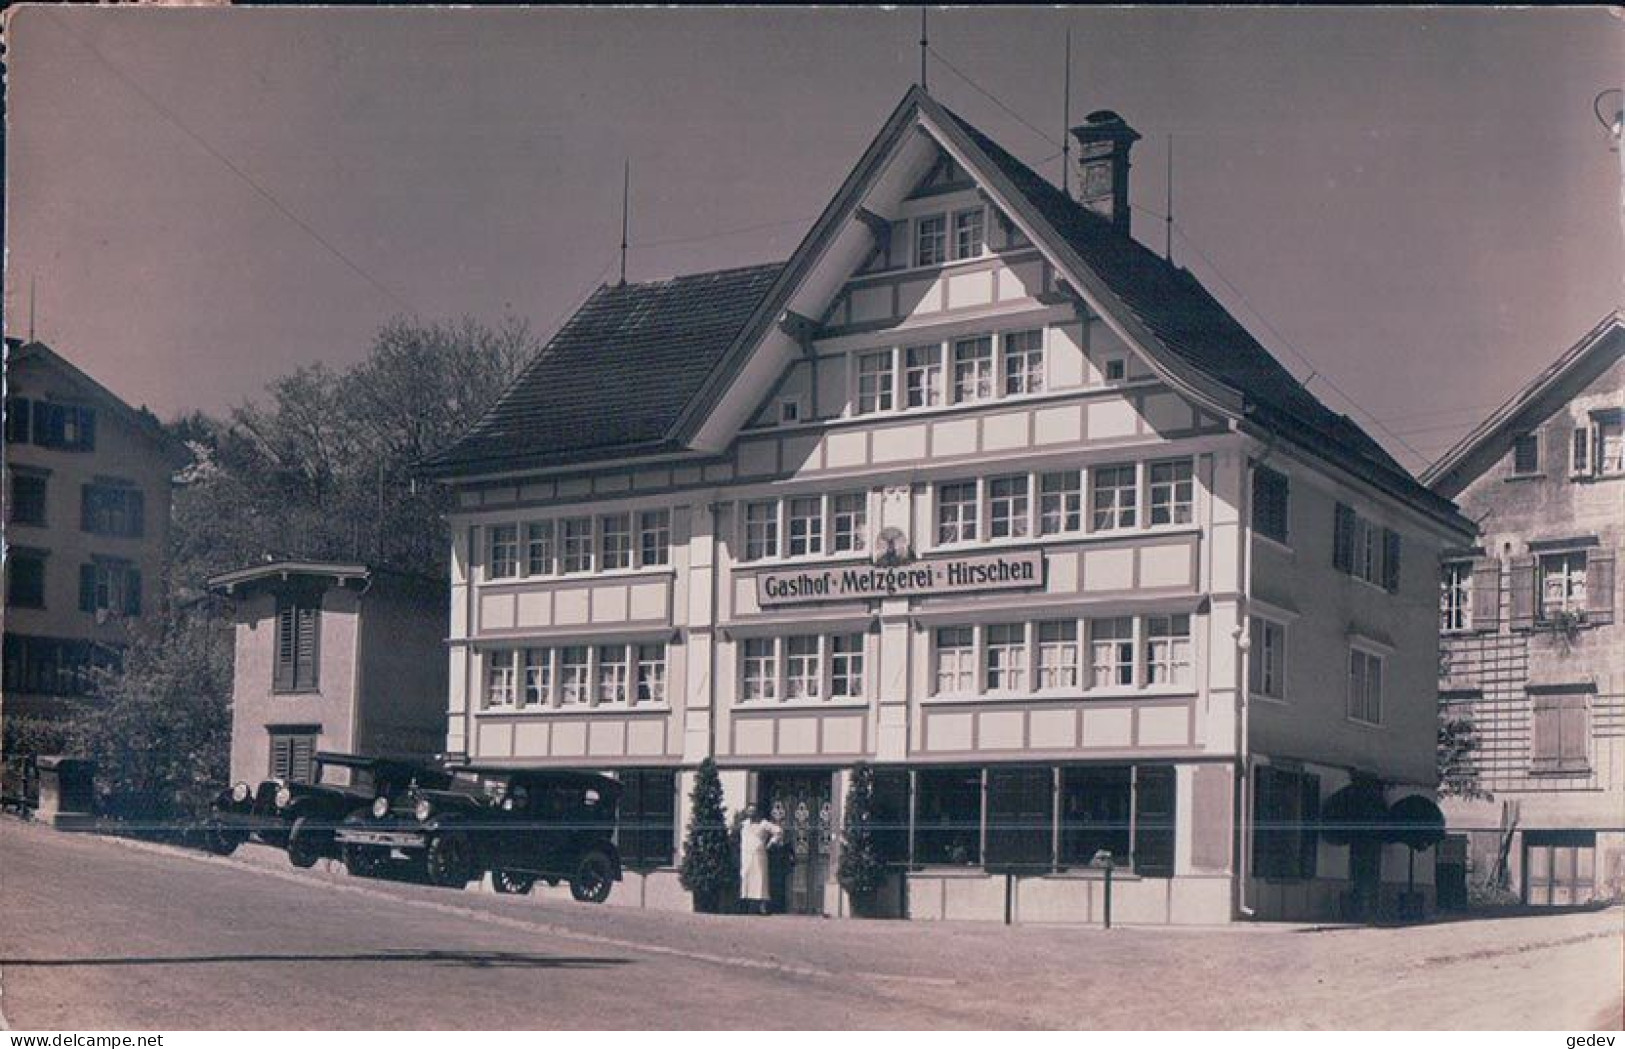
[
  {"x": 646, "y": 824},
  {"x": 889, "y": 814},
  {"x": 1021, "y": 817},
  {"x": 1154, "y": 821},
  {"x": 948, "y": 817},
  {"x": 1286, "y": 812},
  {"x": 1095, "y": 805}
]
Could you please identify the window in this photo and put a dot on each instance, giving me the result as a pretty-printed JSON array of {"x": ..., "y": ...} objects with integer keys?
[
  {"x": 1111, "y": 650},
  {"x": 651, "y": 674},
  {"x": 1560, "y": 733},
  {"x": 1365, "y": 550},
  {"x": 1562, "y": 584},
  {"x": 761, "y": 530},
  {"x": 875, "y": 379},
  {"x": 1365, "y": 687},
  {"x": 1020, "y": 817},
  {"x": 111, "y": 509},
  {"x": 1526, "y": 455},
  {"x": 1456, "y": 597},
  {"x": 1007, "y": 509},
  {"x": 1168, "y": 650},
  {"x": 1058, "y": 654},
  {"x": 654, "y": 537},
  {"x": 25, "y": 578},
  {"x": 298, "y": 638},
  {"x": 575, "y": 545},
  {"x": 54, "y": 666},
  {"x": 646, "y": 823},
  {"x": 539, "y": 548},
  {"x": 956, "y": 660},
  {"x": 27, "y": 505},
  {"x": 1095, "y": 805},
  {"x": 1113, "y": 489},
  {"x": 1154, "y": 804},
  {"x": 973, "y": 369},
  {"x": 968, "y": 233},
  {"x": 573, "y": 670},
  {"x": 615, "y": 542},
  {"x": 1060, "y": 503},
  {"x": 538, "y": 677},
  {"x": 502, "y": 679},
  {"x": 1024, "y": 362},
  {"x": 293, "y": 754},
  {"x": 613, "y": 672},
  {"x": 956, "y": 512},
  {"x": 948, "y": 816},
  {"x": 17, "y": 420},
  {"x": 846, "y": 666},
  {"x": 1006, "y": 657},
  {"x": 502, "y": 557},
  {"x": 760, "y": 677},
  {"x": 930, "y": 241},
  {"x": 1270, "y": 502},
  {"x": 68, "y": 427},
  {"x": 849, "y": 521},
  {"x": 110, "y": 584},
  {"x": 1266, "y": 670},
  {"x": 922, "y": 376},
  {"x": 1286, "y": 809},
  {"x": 801, "y": 671},
  {"x": 806, "y": 521},
  {"x": 1610, "y": 444},
  {"x": 1170, "y": 492}
]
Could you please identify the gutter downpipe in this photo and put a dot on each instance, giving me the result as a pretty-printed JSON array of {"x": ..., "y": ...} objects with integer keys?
[{"x": 1243, "y": 634}]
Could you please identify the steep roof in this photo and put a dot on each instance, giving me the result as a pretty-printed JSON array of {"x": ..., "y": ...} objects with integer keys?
[
  {"x": 1578, "y": 366},
  {"x": 638, "y": 365},
  {"x": 617, "y": 374}
]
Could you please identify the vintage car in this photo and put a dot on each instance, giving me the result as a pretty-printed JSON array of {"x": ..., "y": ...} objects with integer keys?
[
  {"x": 519, "y": 824},
  {"x": 301, "y": 817}
]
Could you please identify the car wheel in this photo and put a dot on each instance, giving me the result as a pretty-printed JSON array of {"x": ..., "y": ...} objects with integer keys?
[
  {"x": 449, "y": 861},
  {"x": 304, "y": 843},
  {"x": 363, "y": 861},
  {"x": 511, "y": 884},
  {"x": 218, "y": 840},
  {"x": 593, "y": 879}
]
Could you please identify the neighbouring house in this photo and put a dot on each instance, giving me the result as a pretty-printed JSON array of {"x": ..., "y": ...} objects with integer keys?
[
  {"x": 979, "y": 490},
  {"x": 1532, "y": 653},
  {"x": 86, "y": 493},
  {"x": 337, "y": 657}
]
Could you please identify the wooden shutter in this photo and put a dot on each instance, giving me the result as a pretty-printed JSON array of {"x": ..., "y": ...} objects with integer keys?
[
  {"x": 1486, "y": 596},
  {"x": 1581, "y": 460},
  {"x": 1571, "y": 733},
  {"x": 1544, "y": 731},
  {"x": 132, "y": 592},
  {"x": 308, "y": 634},
  {"x": 1523, "y": 593},
  {"x": 286, "y": 614},
  {"x": 87, "y": 588},
  {"x": 301, "y": 759},
  {"x": 87, "y": 508},
  {"x": 1343, "y": 539},
  {"x": 1600, "y": 586},
  {"x": 1308, "y": 825},
  {"x": 17, "y": 420},
  {"x": 1390, "y": 560},
  {"x": 281, "y": 755}
]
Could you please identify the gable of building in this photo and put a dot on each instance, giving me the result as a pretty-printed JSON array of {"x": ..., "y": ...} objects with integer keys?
[{"x": 39, "y": 368}]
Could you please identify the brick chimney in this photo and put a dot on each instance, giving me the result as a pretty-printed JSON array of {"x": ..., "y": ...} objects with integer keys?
[{"x": 1104, "y": 141}]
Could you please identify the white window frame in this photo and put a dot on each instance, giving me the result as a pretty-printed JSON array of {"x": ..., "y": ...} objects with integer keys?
[
  {"x": 1063, "y": 502},
  {"x": 502, "y": 536},
  {"x": 939, "y": 238},
  {"x": 1011, "y": 510},
  {"x": 979, "y": 216},
  {"x": 983, "y": 370},
  {"x": 651, "y": 663},
  {"x": 625, "y": 549},
  {"x": 1181, "y": 509},
  {"x": 1268, "y": 657},
  {"x": 1056, "y": 671},
  {"x": 1360, "y": 665},
  {"x": 1456, "y": 597},
  {"x": 586, "y": 543},
  {"x": 1118, "y": 509},
  {"x": 848, "y": 665},
  {"x": 1117, "y": 661},
  {"x": 1006, "y": 658},
  {"x": 575, "y": 693},
  {"x": 654, "y": 536},
  {"x": 501, "y": 679},
  {"x": 1179, "y": 663},
  {"x": 1029, "y": 377},
  {"x": 966, "y": 662},
  {"x": 848, "y": 522},
  {"x": 882, "y": 397},
  {"x": 811, "y": 524},
  {"x": 932, "y": 372},
  {"x": 1559, "y": 565}
]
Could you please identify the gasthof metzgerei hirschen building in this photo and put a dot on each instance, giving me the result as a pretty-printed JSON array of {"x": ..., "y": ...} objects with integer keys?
[{"x": 976, "y": 489}]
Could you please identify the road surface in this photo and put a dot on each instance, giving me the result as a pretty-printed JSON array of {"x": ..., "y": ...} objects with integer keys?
[{"x": 99, "y": 934}]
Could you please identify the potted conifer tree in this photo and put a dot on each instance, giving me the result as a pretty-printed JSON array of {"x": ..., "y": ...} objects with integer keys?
[
  {"x": 710, "y": 869},
  {"x": 861, "y": 871}
]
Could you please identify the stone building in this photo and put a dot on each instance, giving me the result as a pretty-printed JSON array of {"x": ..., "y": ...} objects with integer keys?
[
  {"x": 87, "y": 493},
  {"x": 1532, "y": 651},
  {"x": 338, "y": 657},
  {"x": 978, "y": 490}
]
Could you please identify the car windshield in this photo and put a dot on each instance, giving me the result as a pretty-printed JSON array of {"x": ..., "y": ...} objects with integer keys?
[{"x": 345, "y": 776}]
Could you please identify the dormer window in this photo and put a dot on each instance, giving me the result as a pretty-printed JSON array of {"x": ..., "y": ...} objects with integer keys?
[{"x": 931, "y": 241}]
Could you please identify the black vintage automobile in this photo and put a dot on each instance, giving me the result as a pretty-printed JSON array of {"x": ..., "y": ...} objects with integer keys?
[
  {"x": 301, "y": 817},
  {"x": 519, "y": 824}
]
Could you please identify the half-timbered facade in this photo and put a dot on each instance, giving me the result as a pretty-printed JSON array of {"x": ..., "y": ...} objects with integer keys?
[{"x": 975, "y": 489}]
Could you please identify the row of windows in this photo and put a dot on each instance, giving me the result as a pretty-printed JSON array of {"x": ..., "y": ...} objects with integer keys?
[
  {"x": 801, "y": 668},
  {"x": 104, "y": 509},
  {"x": 1596, "y": 449},
  {"x": 1052, "y": 503},
  {"x": 1365, "y": 550},
  {"x": 578, "y": 545},
  {"x": 1573, "y": 584},
  {"x": 803, "y": 525},
  {"x": 619, "y": 675},
  {"x": 959, "y": 371},
  {"x": 54, "y": 666},
  {"x": 1050, "y": 655},
  {"x": 105, "y": 584},
  {"x": 50, "y": 424}
]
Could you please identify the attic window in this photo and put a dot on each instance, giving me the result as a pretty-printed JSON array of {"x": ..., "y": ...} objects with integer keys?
[
  {"x": 1526, "y": 455},
  {"x": 1116, "y": 369}
]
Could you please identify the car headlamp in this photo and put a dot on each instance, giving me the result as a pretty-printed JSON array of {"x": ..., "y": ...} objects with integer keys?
[
  {"x": 423, "y": 810},
  {"x": 283, "y": 797},
  {"x": 380, "y": 807},
  {"x": 240, "y": 792}
]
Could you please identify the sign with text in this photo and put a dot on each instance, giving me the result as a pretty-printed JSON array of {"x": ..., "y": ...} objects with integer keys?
[{"x": 950, "y": 575}]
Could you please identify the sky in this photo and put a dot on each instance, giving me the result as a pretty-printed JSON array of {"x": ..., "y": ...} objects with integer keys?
[{"x": 1415, "y": 207}]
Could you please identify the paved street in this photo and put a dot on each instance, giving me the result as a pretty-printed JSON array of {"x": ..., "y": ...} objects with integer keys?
[{"x": 103, "y": 934}]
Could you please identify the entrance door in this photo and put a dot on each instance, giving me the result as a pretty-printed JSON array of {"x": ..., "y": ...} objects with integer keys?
[
  {"x": 1559, "y": 868},
  {"x": 1365, "y": 875},
  {"x": 800, "y": 803}
]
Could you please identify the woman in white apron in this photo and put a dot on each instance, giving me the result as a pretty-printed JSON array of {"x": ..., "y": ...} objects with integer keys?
[{"x": 756, "y": 836}]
